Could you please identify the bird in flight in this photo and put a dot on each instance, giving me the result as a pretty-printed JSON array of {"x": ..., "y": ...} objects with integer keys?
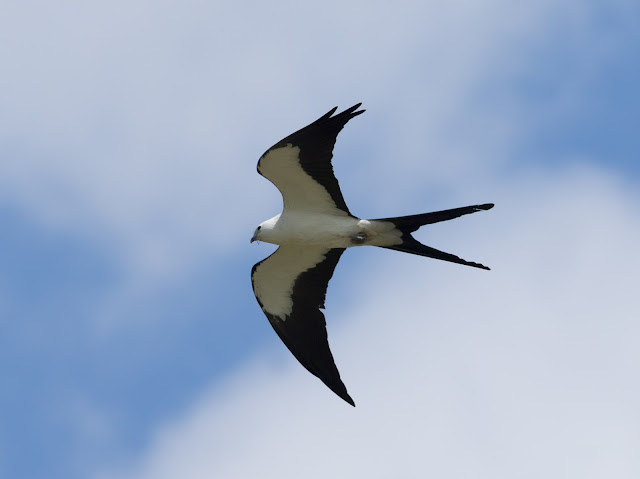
[{"x": 313, "y": 230}]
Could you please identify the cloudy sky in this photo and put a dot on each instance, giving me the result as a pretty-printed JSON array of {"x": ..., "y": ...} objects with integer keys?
[{"x": 131, "y": 346}]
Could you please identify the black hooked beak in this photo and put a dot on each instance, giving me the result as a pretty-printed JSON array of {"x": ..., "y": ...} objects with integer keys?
[{"x": 255, "y": 235}]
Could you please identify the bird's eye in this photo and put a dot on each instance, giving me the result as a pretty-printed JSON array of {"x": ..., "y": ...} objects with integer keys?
[{"x": 258, "y": 229}]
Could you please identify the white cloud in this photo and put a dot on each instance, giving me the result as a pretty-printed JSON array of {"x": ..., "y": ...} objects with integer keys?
[
  {"x": 139, "y": 124},
  {"x": 523, "y": 371}
]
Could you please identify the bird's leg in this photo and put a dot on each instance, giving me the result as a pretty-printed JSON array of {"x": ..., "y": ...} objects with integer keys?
[{"x": 359, "y": 238}]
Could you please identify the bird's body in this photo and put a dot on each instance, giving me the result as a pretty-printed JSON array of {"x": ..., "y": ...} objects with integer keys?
[
  {"x": 313, "y": 230},
  {"x": 331, "y": 231}
]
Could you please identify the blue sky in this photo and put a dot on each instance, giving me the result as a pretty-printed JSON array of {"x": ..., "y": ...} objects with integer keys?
[{"x": 130, "y": 343}]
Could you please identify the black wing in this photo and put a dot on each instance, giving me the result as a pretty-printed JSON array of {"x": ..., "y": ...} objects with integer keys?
[
  {"x": 300, "y": 164},
  {"x": 290, "y": 286}
]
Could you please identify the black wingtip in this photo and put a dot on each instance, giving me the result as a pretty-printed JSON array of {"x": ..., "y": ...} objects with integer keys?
[
  {"x": 346, "y": 398},
  {"x": 348, "y": 114},
  {"x": 338, "y": 387},
  {"x": 352, "y": 111},
  {"x": 329, "y": 114}
]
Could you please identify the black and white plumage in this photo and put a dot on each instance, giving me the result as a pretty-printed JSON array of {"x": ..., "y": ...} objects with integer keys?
[{"x": 313, "y": 230}]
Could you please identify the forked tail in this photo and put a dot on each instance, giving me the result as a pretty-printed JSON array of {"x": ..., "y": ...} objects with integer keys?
[{"x": 409, "y": 224}]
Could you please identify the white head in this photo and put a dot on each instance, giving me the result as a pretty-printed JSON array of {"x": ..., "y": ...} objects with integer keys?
[{"x": 264, "y": 230}]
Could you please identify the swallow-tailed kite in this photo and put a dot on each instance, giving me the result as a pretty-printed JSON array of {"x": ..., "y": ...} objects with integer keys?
[{"x": 313, "y": 230}]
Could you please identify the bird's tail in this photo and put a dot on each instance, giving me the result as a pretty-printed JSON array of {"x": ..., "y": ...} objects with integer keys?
[{"x": 409, "y": 224}]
